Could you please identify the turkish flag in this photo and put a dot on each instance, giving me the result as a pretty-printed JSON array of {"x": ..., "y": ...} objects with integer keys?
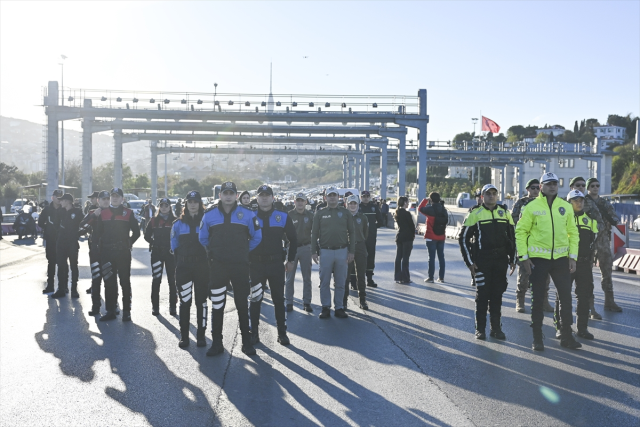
[{"x": 489, "y": 125}]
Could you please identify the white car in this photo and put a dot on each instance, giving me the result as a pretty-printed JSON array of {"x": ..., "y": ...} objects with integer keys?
[
  {"x": 393, "y": 205},
  {"x": 136, "y": 207},
  {"x": 636, "y": 224}
]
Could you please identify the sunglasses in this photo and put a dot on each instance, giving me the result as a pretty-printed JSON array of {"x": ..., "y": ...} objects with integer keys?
[
  {"x": 579, "y": 185},
  {"x": 534, "y": 188},
  {"x": 594, "y": 186}
]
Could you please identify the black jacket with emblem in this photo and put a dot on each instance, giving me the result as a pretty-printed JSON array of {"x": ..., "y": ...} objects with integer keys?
[
  {"x": 372, "y": 211},
  {"x": 69, "y": 226},
  {"x": 487, "y": 232},
  {"x": 303, "y": 223}
]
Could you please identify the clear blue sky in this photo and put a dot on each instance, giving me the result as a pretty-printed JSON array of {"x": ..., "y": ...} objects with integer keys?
[{"x": 519, "y": 62}]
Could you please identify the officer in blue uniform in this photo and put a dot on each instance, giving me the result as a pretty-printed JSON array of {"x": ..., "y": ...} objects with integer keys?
[
  {"x": 267, "y": 262},
  {"x": 229, "y": 232},
  {"x": 192, "y": 272}
]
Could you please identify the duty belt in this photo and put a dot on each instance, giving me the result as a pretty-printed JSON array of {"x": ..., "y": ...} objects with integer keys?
[
  {"x": 333, "y": 248},
  {"x": 265, "y": 258}
]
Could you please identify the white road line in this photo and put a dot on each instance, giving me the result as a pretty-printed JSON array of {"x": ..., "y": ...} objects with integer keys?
[{"x": 449, "y": 288}]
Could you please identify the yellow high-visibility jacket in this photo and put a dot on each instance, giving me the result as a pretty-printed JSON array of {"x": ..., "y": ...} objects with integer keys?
[{"x": 548, "y": 233}]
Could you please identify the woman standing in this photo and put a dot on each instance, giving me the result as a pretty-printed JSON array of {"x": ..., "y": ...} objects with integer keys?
[
  {"x": 158, "y": 234},
  {"x": 192, "y": 269},
  {"x": 435, "y": 233},
  {"x": 245, "y": 199},
  {"x": 404, "y": 240}
]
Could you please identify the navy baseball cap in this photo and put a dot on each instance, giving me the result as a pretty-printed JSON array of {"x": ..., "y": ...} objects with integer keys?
[
  {"x": 103, "y": 195},
  {"x": 165, "y": 201},
  {"x": 66, "y": 196},
  {"x": 57, "y": 193},
  {"x": 193, "y": 195},
  {"x": 365, "y": 193},
  {"x": 301, "y": 196},
  {"x": 264, "y": 188},
  {"x": 94, "y": 194},
  {"x": 116, "y": 190},
  {"x": 228, "y": 186}
]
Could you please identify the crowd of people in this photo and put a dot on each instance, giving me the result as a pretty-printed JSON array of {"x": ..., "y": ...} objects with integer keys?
[{"x": 248, "y": 246}]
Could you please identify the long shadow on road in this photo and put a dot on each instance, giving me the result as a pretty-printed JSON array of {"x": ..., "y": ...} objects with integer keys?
[{"x": 151, "y": 388}]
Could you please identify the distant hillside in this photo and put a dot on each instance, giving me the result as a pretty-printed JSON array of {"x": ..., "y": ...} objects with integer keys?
[{"x": 21, "y": 144}]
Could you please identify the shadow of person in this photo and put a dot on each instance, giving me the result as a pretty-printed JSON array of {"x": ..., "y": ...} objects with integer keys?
[{"x": 150, "y": 387}]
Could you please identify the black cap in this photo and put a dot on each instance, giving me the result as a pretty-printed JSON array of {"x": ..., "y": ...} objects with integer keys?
[
  {"x": 164, "y": 200},
  {"x": 229, "y": 185},
  {"x": 104, "y": 195},
  {"x": 532, "y": 182},
  {"x": 365, "y": 193},
  {"x": 57, "y": 193},
  {"x": 193, "y": 195},
  {"x": 117, "y": 190},
  {"x": 66, "y": 196},
  {"x": 94, "y": 194},
  {"x": 264, "y": 188}
]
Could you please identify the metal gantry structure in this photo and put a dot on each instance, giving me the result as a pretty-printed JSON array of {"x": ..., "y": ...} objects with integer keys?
[
  {"x": 365, "y": 123},
  {"x": 364, "y": 130}
]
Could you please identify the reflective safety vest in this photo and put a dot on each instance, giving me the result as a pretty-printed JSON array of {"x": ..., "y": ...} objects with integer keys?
[{"x": 547, "y": 232}]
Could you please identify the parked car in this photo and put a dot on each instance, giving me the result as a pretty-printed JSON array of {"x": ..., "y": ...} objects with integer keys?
[
  {"x": 636, "y": 224},
  {"x": 393, "y": 204},
  {"x": 17, "y": 205},
  {"x": 136, "y": 207}
]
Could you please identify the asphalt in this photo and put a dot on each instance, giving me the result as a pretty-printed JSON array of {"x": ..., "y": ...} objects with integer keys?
[{"x": 410, "y": 360}]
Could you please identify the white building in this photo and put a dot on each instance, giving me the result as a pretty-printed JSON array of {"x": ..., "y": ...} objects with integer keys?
[
  {"x": 612, "y": 134},
  {"x": 553, "y": 130}
]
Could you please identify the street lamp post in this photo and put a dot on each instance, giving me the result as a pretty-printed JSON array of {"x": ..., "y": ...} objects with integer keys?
[
  {"x": 62, "y": 124},
  {"x": 474, "y": 126}
]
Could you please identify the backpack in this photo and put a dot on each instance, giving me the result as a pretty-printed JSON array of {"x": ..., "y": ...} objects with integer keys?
[{"x": 441, "y": 221}]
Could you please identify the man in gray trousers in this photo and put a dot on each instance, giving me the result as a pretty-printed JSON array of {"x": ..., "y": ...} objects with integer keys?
[
  {"x": 333, "y": 243},
  {"x": 303, "y": 221}
]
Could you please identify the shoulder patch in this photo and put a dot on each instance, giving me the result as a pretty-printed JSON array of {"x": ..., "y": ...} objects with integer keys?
[
  {"x": 240, "y": 215},
  {"x": 339, "y": 214},
  {"x": 561, "y": 210},
  {"x": 585, "y": 221}
]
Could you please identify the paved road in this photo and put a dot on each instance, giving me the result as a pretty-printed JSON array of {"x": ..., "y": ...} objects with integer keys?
[{"x": 411, "y": 360}]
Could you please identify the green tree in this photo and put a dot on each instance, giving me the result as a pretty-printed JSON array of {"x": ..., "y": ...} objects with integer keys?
[
  {"x": 461, "y": 137},
  {"x": 139, "y": 181},
  {"x": 411, "y": 175},
  {"x": 103, "y": 176},
  {"x": 500, "y": 138},
  {"x": 183, "y": 187},
  {"x": 587, "y": 137},
  {"x": 541, "y": 138},
  {"x": 7, "y": 172},
  {"x": 568, "y": 136},
  {"x": 576, "y": 129},
  {"x": 590, "y": 123}
]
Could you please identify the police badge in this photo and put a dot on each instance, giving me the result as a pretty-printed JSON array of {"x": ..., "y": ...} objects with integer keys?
[
  {"x": 306, "y": 219},
  {"x": 278, "y": 218},
  {"x": 73, "y": 216},
  {"x": 358, "y": 220},
  {"x": 561, "y": 210},
  {"x": 339, "y": 214},
  {"x": 585, "y": 221},
  {"x": 373, "y": 209},
  {"x": 501, "y": 213},
  {"x": 240, "y": 215}
]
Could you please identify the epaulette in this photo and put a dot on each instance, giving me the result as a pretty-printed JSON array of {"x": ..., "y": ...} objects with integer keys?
[
  {"x": 503, "y": 207},
  {"x": 471, "y": 209}
]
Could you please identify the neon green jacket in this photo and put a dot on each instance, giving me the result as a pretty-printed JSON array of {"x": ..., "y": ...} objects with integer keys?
[{"x": 548, "y": 233}]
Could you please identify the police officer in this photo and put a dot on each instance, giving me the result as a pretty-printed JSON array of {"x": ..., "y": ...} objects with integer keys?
[
  {"x": 118, "y": 230},
  {"x": 603, "y": 242},
  {"x": 48, "y": 222},
  {"x": 487, "y": 243},
  {"x": 533, "y": 190},
  {"x": 178, "y": 208},
  {"x": 547, "y": 239},
  {"x": 358, "y": 267},
  {"x": 591, "y": 209},
  {"x": 158, "y": 235},
  {"x": 229, "y": 232},
  {"x": 302, "y": 219},
  {"x": 333, "y": 245},
  {"x": 266, "y": 262},
  {"x": 372, "y": 212},
  {"x": 91, "y": 205},
  {"x": 583, "y": 276},
  {"x": 88, "y": 224},
  {"x": 192, "y": 271},
  {"x": 67, "y": 247}
]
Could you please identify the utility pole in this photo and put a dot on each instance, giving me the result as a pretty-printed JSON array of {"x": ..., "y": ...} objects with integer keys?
[
  {"x": 474, "y": 126},
  {"x": 62, "y": 124}
]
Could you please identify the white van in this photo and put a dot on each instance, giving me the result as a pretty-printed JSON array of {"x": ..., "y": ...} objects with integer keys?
[{"x": 461, "y": 197}]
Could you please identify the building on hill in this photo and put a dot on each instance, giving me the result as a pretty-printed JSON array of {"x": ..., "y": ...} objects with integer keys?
[
  {"x": 552, "y": 130},
  {"x": 610, "y": 133}
]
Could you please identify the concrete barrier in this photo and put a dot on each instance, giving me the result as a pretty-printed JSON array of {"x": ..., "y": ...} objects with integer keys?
[{"x": 627, "y": 260}]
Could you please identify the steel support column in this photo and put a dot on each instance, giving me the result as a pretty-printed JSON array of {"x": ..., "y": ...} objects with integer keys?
[
  {"x": 383, "y": 172},
  {"x": 117, "y": 158},
  {"x": 521, "y": 183},
  {"x": 402, "y": 165},
  {"x": 365, "y": 175},
  {"x": 52, "y": 140},
  {"x": 154, "y": 171},
  {"x": 356, "y": 164},
  {"x": 345, "y": 182},
  {"x": 422, "y": 147},
  {"x": 87, "y": 156},
  {"x": 350, "y": 177}
]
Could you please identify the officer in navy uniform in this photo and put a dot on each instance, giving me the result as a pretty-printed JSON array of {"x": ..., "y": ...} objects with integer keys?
[
  {"x": 192, "y": 271},
  {"x": 158, "y": 234},
  {"x": 267, "y": 262},
  {"x": 372, "y": 211},
  {"x": 88, "y": 224},
  {"x": 229, "y": 231},
  {"x": 67, "y": 247},
  {"x": 48, "y": 222},
  {"x": 118, "y": 230}
]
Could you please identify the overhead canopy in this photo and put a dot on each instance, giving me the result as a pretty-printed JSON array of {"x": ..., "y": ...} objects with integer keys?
[{"x": 44, "y": 185}]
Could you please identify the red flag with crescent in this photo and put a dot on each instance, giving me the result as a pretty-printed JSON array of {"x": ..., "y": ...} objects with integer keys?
[{"x": 489, "y": 125}]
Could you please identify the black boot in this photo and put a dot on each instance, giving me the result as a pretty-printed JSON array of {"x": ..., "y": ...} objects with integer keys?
[
  {"x": 568, "y": 341},
  {"x": 95, "y": 310},
  {"x": 89, "y": 291},
  {"x": 370, "y": 282},
  {"x": 202, "y": 342},
  {"x": 60, "y": 293},
  {"x": 283, "y": 339},
  {"x": 184, "y": 337},
  {"x": 109, "y": 316},
  {"x": 74, "y": 291},
  {"x": 537, "y": 345},
  {"x": 584, "y": 333},
  {"x": 155, "y": 299},
  {"x": 254, "y": 316},
  {"x": 247, "y": 347},
  {"x": 217, "y": 348},
  {"x": 363, "y": 303},
  {"x": 126, "y": 315},
  {"x": 49, "y": 289}
]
